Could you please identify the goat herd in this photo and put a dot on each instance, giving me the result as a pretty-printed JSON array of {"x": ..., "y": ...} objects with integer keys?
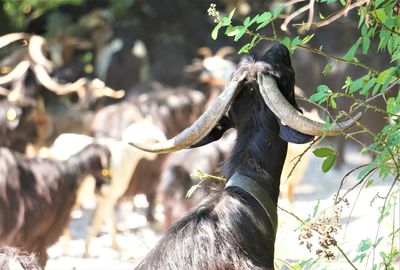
[{"x": 50, "y": 145}]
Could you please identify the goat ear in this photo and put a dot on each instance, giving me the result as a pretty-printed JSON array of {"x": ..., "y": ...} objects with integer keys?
[
  {"x": 216, "y": 133},
  {"x": 291, "y": 135}
]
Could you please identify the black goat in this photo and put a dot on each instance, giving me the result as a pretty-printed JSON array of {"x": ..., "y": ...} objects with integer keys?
[
  {"x": 37, "y": 195},
  {"x": 176, "y": 178},
  {"x": 235, "y": 229}
]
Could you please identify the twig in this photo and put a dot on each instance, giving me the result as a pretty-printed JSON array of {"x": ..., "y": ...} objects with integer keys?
[
  {"x": 376, "y": 96},
  {"x": 344, "y": 179},
  {"x": 299, "y": 157},
  {"x": 380, "y": 222},
  {"x": 359, "y": 182},
  {"x": 345, "y": 256},
  {"x": 292, "y": 2},
  {"x": 292, "y": 16},
  {"x": 310, "y": 15},
  {"x": 339, "y": 14},
  {"x": 384, "y": 25},
  {"x": 292, "y": 214}
]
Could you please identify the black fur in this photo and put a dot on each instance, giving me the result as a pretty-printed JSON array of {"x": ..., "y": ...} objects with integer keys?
[
  {"x": 230, "y": 230},
  {"x": 37, "y": 195}
]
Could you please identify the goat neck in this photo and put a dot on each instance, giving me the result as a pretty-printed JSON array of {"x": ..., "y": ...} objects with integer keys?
[{"x": 259, "y": 152}]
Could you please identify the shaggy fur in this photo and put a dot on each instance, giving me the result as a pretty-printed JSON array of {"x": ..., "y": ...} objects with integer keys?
[
  {"x": 37, "y": 195},
  {"x": 230, "y": 230},
  {"x": 176, "y": 178},
  {"x": 11, "y": 259}
]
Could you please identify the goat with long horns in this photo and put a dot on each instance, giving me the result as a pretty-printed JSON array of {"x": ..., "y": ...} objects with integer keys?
[{"x": 236, "y": 228}]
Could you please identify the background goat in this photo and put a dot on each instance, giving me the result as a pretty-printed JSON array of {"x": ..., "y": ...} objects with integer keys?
[
  {"x": 36, "y": 195},
  {"x": 124, "y": 160},
  {"x": 235, "y": 229}
]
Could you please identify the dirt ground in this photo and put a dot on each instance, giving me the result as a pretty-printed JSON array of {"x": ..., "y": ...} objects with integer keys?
[{"x": 136, "y": 236}]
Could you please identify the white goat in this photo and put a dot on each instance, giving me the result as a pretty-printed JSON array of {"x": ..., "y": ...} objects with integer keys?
[{"x": 124, "y": 159}]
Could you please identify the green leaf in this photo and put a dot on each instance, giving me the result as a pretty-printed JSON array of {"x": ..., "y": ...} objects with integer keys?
[
  {"x": 365, "y": 45},
  {"x": 327, "y": 69},
  {"x": 392, "y": 106},
  {"x": 328, "y": 163},
  {"x": 294, "y": 42},
  {"x": 369, "y": 183},
  {"x": 324, "y": 152},
  {"x": 385, "y": 74},
  {"x": 318, "y": 97},
  {"x": 246, "y": 22},
  {"x": 306, "y": 39},
  {"x": 214, "y": 33},
  {"x": 264, "y": 19},
  {"x": 380, "y": 14},
  {"x": 231, "y": 13},
  {"x": 286, "y": 42},
  {"x": 266, "y": 16},
  {"x": 245, "y": 49},
  {"x": 321, "y": 95},
  {"x": 240, "y": 33},
  {"x": 364, "y": 245},
  {"x": 277, "y": 11},
  {"x": 191, "y": 191},
  {"x": 360, "y": 257},
  {"x": 349, "y": 56},
  {"x": 231, "y": 31},
  {"x": 356, "y": 85},
  {"x": 316, "y": 207},
  {"x": 367, "y": 87}
]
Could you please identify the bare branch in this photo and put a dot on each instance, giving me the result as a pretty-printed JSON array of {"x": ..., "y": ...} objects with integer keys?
[
  {"x": 292, "y": 16},
  {"x": 341, "y": 13}
]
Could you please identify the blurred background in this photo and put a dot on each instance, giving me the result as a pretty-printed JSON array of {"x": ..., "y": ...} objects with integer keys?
[{"x": 76, "y": 73}]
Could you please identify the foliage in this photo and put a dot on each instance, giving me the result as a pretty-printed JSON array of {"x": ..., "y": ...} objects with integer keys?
[
  {"x": 378, "y": 21},
  {"x": 20, "y": 11}
]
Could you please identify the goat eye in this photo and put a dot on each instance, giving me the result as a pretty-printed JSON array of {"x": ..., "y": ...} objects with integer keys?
[
  {"x": 11, "y": 114},
  {"x": 105, "y": 172}
]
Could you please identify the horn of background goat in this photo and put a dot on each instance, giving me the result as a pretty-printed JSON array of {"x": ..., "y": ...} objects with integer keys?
[
  {"x": 60, "y": 89},
  {"x": 203, "y": 125},
  {"x": 291, "y": 117},
  {"x": 21, "y": 68},
  {"x": 35, "y": 48},
  {"x": 10, "y": 38}
]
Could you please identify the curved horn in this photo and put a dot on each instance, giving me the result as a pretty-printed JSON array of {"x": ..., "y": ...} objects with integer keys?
[
  {"x": 4, "y": 91},
  {"x": 45, "y": 79},
  {"x": 36, "y": 44},
  {"x": 16, "y": 73},
  {"x": 10, "y": 38},
  {"x": 224, "y": 51},
  {"x": 201, "y": 127},
  {"x": 205, "y": 52},
  {"x": 285, "y": 112},
  {"x": 101, "y": 90}
]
